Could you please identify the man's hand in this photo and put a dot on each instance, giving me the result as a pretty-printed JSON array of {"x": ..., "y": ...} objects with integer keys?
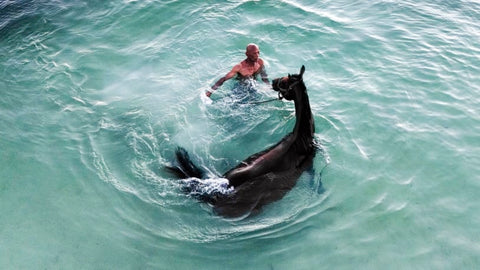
[{"x": 208, "y": 93}]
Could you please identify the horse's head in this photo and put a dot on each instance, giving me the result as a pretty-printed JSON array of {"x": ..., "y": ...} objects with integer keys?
[{"x": 285, "y": 86}]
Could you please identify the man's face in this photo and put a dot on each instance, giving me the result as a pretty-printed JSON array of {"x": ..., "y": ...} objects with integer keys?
[{"x": 252, "y": 53}]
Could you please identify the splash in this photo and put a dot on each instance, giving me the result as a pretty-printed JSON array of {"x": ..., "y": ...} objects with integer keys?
[
  {"x": 245, "y": 90},
  {"x": 210, "y": 186}
]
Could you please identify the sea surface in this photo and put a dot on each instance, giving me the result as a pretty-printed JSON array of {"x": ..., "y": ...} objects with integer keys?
[{"x": 95, "y": 96}]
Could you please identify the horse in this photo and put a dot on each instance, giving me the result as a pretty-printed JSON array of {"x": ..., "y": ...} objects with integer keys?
[{"x": 266, "y": 176}]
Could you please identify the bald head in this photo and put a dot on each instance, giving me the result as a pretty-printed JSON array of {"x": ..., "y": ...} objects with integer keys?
[
  {"x": 252, "y": 52},
  {"x": 252, "y": 46}
]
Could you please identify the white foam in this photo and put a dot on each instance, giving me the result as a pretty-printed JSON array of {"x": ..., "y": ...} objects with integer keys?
[
  {"x": 209, "y": 186},
  {"x": 204, "y": 98}
]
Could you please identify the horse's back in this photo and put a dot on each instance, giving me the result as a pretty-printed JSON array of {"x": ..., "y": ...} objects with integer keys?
[{"x": 252, "y": 195}]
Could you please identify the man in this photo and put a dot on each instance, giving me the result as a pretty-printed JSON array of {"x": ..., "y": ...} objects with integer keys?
[{"x": 248, "y": 68}]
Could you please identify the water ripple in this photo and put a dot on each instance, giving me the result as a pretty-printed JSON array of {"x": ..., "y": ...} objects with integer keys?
[{"x": 97, "y": 96}]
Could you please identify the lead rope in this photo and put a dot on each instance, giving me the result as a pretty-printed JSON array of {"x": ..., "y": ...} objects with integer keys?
[
  {"x": 269, "y": 100},
  {"x": 280, "y": 97}
]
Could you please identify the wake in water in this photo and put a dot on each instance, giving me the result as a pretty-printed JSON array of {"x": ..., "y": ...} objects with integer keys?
[{"x": 244, "y": 92}]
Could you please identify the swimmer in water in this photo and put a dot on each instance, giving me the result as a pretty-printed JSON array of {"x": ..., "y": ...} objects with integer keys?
[{"x": 249, "y": 68}]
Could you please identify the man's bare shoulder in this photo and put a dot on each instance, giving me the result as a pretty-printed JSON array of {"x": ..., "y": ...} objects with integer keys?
[{"x": 238, "y": 66}]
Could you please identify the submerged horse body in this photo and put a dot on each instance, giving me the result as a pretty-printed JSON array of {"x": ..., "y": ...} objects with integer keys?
[{"x": 268, "y": 175}]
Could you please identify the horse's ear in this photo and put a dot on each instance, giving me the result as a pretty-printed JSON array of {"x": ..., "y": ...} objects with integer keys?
[{"x": 302, "y": 70}]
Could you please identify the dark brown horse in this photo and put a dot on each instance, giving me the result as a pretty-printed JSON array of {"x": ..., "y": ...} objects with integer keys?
[{"x": 266, "y": 176}]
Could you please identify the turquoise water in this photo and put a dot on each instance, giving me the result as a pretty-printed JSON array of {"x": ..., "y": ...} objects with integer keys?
[{"x": 96, "y": 96}]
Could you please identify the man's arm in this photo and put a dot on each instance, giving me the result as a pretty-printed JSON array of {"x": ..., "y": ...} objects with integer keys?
[
  {"x": 263, "y": 74},
  {"x": 229, "y": 75}
]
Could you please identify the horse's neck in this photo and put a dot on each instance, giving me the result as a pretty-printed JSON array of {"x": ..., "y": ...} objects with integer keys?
[{"x": 304, "y": 125}]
